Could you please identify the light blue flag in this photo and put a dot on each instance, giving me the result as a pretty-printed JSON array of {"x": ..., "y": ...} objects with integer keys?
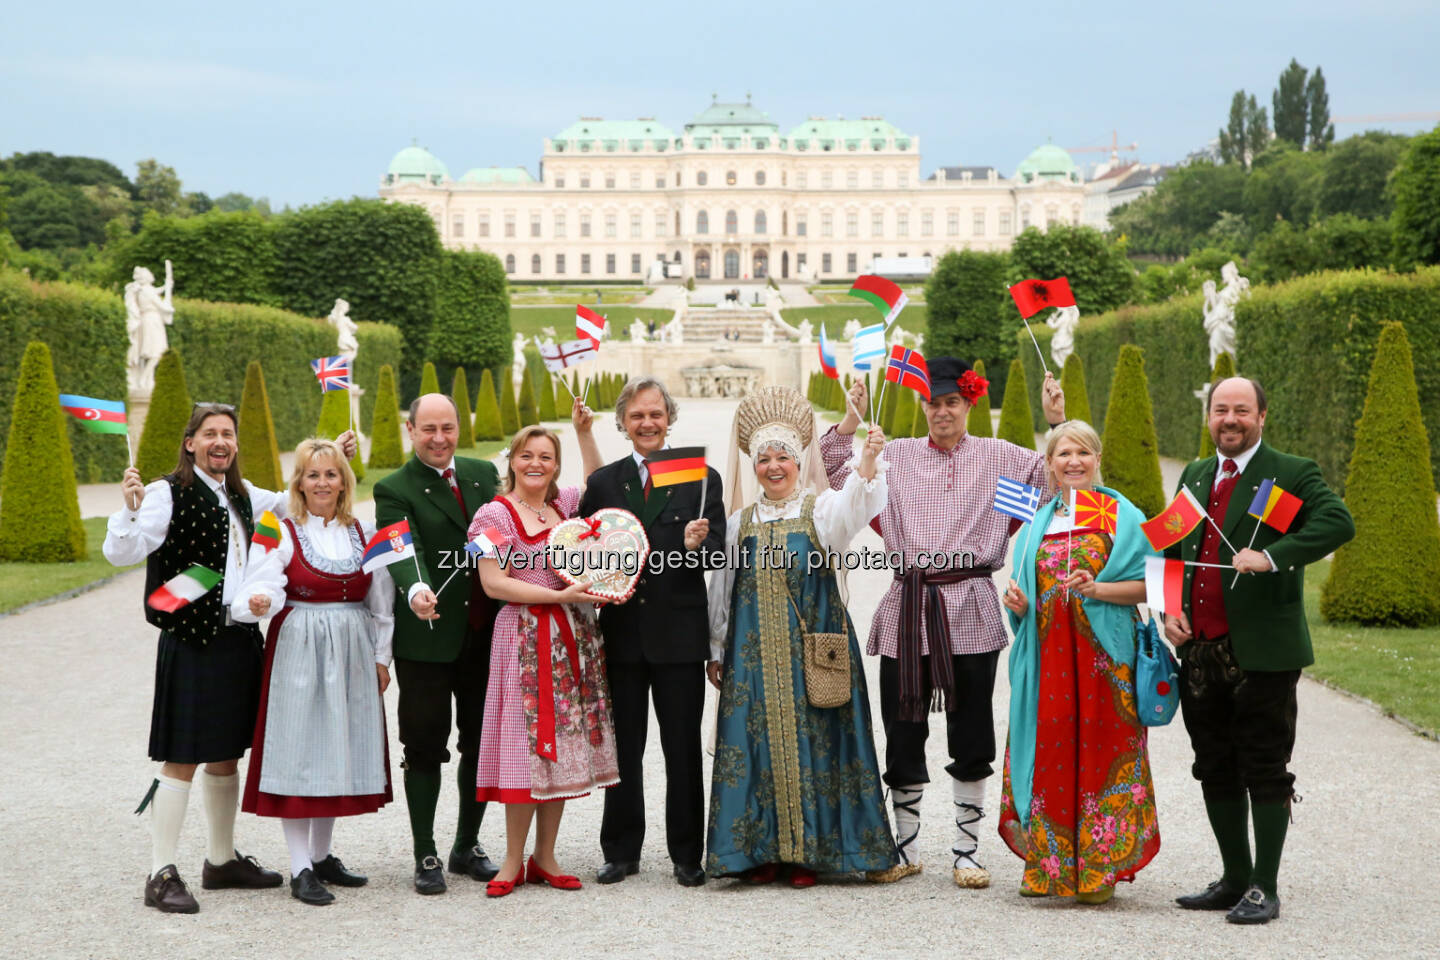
[{"x": 868, "y": 345}]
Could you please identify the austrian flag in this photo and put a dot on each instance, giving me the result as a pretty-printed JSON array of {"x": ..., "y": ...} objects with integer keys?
[
  {"x": 589, "y": 325},
  {"x": 184, "y": 589},
  {"x": 907, "y": 368},
  {"x": 885, "y": 294}
]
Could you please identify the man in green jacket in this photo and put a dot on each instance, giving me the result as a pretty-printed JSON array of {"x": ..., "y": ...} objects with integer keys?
[
  {"x": 1243, "y": 642},
  {"x": 442, "y": 642}
]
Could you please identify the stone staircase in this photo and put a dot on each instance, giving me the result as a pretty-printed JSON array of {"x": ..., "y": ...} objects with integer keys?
[{"x": 705, "y": 323}]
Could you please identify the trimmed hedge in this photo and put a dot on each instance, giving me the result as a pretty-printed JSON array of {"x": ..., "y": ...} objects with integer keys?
[
  {"x": 379, "y": 347},
  {"x": 39, "y": 507},
  {"x": 529, "y": 413},
  {"x": 259, "y": 451},
  {"x": 460, "y": 393},
  {"x": 429, "y": 380},
  {"x": 472, "y": 311},
  {"x": 1072, "y": 384},
  {"x": 978, "y": 422},
  {"x": 1015, "y": 417},
  {"x": 1131, "y": 454},
  {"x": 386, "y": 448},
  {"x": 509, "y": 410},
  {"x": 170, "y": 407},
  {"x": 1224, "y": 370},
  {"x": 218, "y": 256},
  {"x": 487, "y": 411},
  {"x": 335, "y": 420},
  {"x": 547, "y": 406}
]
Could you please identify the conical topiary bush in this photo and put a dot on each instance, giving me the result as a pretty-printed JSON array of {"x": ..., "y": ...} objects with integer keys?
[
  {"x": 1072, "y": 383},
  {"x": 1389, "y": 575},
  {"x": 885, "y": 400},
  {"x": 509, "y": 409},
  {"x": 335, "y": 420},
  {"x": 575, "y": 384},
  {"x": 259, "y": 450},
  {"x": 919, "y": 426},
  {"x": 1016, "y": 424},
  {"x": 1224, "y": 370},
  {"x": 545, "y": 394},
  {"x": 529, "y": 415},
  {"x": 904, "y": 412},
  {"x": 387, "y": 451},
  {"x": 39, "y": 506},
  {"x": 165, "y": 422},
  {"x": 1131, "y": 462},
  {"x": 460, "y": 393},
  {"x": 487, "y": 412},
  {"x": 429, "y": 379},
  {"x": 977, "y": 422}
]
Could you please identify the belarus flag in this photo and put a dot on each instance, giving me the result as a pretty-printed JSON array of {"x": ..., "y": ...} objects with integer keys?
[
  {"x": 388, "y": 546},
  {"x": 1169, "y": 528},
  {"x": 827, "y": 356},
  {"x": 1165, "y": 585},
  {"x": 1032, "y": 296},
  {"x": 96, "y": 416},
  {"x": 184, "y": 589},
  {"x": 486, "y": 543},
  {"x": 886, "y": 295},
  {"x": 589, "y": 325}
]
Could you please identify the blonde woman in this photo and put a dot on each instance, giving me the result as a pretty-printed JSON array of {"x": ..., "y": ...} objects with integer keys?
[{"x": 320, "y": 749}]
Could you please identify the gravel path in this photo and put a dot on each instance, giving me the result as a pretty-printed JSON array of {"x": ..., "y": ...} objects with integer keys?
[{"x": 75, "y": 717}]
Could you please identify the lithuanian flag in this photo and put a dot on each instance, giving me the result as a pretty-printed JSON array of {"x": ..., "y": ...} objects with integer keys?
[
  {"x": 886, "y": 295},
  {"x": 677, "y": 465},
  {"x": 267, "y": 532},
  {"x": 184, "y": 589}
]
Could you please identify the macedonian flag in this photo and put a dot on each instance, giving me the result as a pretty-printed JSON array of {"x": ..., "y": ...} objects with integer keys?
[
  {"x": 1098, "y": 511},
  {"x": 1183, "y": 515}
]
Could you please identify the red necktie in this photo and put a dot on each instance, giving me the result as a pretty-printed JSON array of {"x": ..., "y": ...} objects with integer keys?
[
  {"x": 648, "y": 485},
  {"x": 449, "y": 476},
  {"x": 1229, "y": 472}
]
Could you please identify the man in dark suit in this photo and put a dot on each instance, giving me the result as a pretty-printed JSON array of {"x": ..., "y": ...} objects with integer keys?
[
  {"x": 657, "y": 643},
  {"x": 442, "y": 643},
  {"x": 1242, "y": 647}
]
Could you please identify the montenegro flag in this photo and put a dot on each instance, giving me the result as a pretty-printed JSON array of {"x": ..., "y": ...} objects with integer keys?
[{"x": 1169, "y": 528}]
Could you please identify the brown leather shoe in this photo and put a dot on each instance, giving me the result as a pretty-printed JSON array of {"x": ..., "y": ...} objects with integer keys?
[
  {"x": 167, "y": 893},
  {"x": 243, "y": 873}
]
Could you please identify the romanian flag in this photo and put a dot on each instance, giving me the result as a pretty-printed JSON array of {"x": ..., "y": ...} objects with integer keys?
[
  {"x": 1165, "y": 585},
  {"x": 267, "y": 532},
  {"x": 677, "y": 465},
  {"x": 907, "y": 368},
  {"x": 827, "y": 356},
  {"x": 887, "y": 296},
  {"x": 1032, "y": 296},
  {"x": 184, "y": 589},
  {"x": 1274, "y": 506},
  {"x": 1098, "y": 511},
  {"x": 1183, "y": 515},
  {"x": 389, "y": 545},
  {"x": 589, "y": 325},
  {"x": 96, "y": 416}
]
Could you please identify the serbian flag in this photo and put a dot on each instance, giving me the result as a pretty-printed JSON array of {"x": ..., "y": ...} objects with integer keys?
[
  {"x": 387, "y": 546},
  {"x": 332, "y": 372},
  {"x": 1165, "y": 585},
  {"x": 1032, "y": 296},
  {"x": 589, "y": 325},
  {"x": 558, "y": 356},
  {"x": 486, "y": 543},
  {"x": 676, "y": 465},
  {"x": 1274, "y": 506},
  {"x": 184, "y": 589},
  {"x": 267, "y": 532},
  {"x": 827, "y": 357},
  {"x": 1183, "y": 515},
  {"x": 96, "y": 416},
  {"x": 887, "y": 296},
  {"x": 907, "y": 368},
  {"x": 1096, "y": 510}
]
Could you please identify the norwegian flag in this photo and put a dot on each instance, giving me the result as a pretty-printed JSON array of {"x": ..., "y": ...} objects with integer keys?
[
  {"x": 589, "y": 325},
  {"x": 332, "y": 372},
  {"x": 907, "y": 368},
  {"x": 558, "y": 356}
]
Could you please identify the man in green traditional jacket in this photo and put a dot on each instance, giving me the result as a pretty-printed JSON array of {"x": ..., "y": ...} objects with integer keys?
[
  {"x": 1243, "y": 642},
  {"x": 442, "y": 636}
]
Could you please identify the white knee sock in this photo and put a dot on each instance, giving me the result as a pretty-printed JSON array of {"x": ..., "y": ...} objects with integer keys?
[
  {"x": 906, "y": 804},
  {"x": 969, "y": 810},
  {"x": 297, "y": 840},
  {"x": 321, "y": 829},
  {"x": 167, "y": 816},
  {"x": 222, "y": 798}
]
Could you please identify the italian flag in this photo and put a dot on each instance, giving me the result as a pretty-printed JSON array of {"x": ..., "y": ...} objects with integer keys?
[
  {"x": 887, "y": 296},
  {"x": 184, "y": 589}
]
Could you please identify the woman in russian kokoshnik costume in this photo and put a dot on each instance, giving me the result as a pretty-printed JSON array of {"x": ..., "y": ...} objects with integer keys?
[
  {"x": 320, "y": 748},
  {"x": 1078, "y": 804},
  {"x": 536, "y": 751},
  {"x": 793, "y": 784}
]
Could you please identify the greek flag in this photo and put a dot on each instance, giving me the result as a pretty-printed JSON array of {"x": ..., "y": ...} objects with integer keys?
[
  {"x": 1016, "y": 499},
  {"x": 868, "y": 345}
]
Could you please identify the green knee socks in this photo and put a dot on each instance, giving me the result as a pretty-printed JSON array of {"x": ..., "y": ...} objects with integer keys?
[
  {"x": 1230, "y": 821},
  {"x": 1271, "y": 822},
  {"x": 467, "y": 825},
  {"x": 422, "y": 792}
]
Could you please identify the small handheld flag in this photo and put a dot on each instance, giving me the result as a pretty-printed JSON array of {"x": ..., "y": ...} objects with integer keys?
[
  {"x": 1173, "y": 525},
  {"x": 589, "y": 325},
  {"x": 389, "y": 545},
  {"x": 1096, "y": 510},
  {"x": 267, "y": 532},
  {"x": 1164, "y": 585},
  {"x": 559, "y": 356},
  {"x": 1274, "y": 506},
  {"x": 1032, "y": 296},
  {"x": 95, "y": 416},
  {"x": 907, "y": 368},
  {"x": 676, "y": 465},
  {"x": 332, "y": 372},
  {"x": 827, "y": 357},
  {"x": 184, "y": 589},
  {"x": 887, "y": 296},
  {"x": 486, "y": 543},
  {"x": 1016, "y": 499},
  {"x": 868, "y": 346}
]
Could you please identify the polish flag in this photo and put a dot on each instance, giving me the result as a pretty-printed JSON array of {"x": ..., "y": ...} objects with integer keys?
[{"x": 1165, "y": 585}]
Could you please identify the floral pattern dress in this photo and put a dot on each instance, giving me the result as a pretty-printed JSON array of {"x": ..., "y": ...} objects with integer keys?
[{"x": 1092, "y": 812}]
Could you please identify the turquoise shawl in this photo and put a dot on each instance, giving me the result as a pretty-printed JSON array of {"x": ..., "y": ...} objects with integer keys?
[{"x": 1113, "y": 625}]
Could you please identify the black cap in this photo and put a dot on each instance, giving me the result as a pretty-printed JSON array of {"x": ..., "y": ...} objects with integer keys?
[{"x": 945, "y": 374}]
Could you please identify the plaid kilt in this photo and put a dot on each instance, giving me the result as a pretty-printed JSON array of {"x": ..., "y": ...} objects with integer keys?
[{"x": 206, "y": 696}]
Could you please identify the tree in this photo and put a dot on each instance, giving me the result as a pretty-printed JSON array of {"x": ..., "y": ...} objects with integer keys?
[
  {"x": 529, "y": 413},
  {"x": 977, "y": 422},
  {"x": 1284, "y": 184},
  {"x": 966, "y": 313},
  {"x": 429, "y": 380},
  {"x": 165, "y": 422},
  {"x": 472, "y": 311},
  {"x": 487, "y": 411},
  {"x": 387, "y": 450},
  {"x": 509, "y": 409},
  {"x": 1132, "y": 450},
  {"x": 1233, "y": 142},
  {"x": 1415, "y": 186},
  {"x": 1224, "y": 370},
  {"x": 460, "y": 393},
  {"x": 1257, "y": 129},
  {"x": 1100, "y": 273},
  {"x": 1389, "y": 575},
  {"x": 1289, "y": 103},
  {"x": 39, "y": 506},
  {"x": 1072, "y": 384},
  {"x": 157, "y": 188},
  {"x": 1319, "y": 130},
  {"x": 1016, "y": 424},
  {"x": 335, "y": 420},
  {"x": 549, "y": 406},
  {"x": 1174, "y": 218},
  {"x": 1356, "y": 172},
  {"x": 255, "y": 435}
]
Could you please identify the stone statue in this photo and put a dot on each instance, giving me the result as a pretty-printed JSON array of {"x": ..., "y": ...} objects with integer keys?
[
  {"x": 347, "y": 346},
  {"x": 518, "y": 348},
  {"x": 767, "y": 332},
  {"x": 852, "y": 327},
  {"x": 807, "y": 331},
  {"x": 1219, "y": 310},
  {"x": 1063, "y": 321},
  {"x": 637, "y": 331},
  {"x": 147, "y": 313}
]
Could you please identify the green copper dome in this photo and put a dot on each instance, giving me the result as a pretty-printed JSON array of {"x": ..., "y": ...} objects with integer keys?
[
  {"x": 839, "y": 135},
  {"x": 415, "y": 164},
  {"x": 596, "y": 135},
  {"x": 1047, "y": 162},
  {"x": 497, "y": 175}
]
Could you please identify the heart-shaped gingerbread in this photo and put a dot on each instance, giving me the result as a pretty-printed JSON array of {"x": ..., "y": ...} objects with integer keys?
[{"x": 606, "y": 550}]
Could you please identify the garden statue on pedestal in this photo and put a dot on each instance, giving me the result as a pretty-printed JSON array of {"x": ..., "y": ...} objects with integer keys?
[
  {"x": 1063, "y": 321},
  {"x": 347, "y": 345},
  {"x": 807, "y": 331},
  {"x": 1219, "y": 311},
  {"x": 637, "y": 331},
  {"x": 147, "y": 313},
  {"x": 518, "y": 347},
  {"x": 852, "y": 327}
]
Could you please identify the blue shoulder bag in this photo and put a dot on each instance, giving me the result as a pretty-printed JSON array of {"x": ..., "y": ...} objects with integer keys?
[{"x": 1157, "y": 677}]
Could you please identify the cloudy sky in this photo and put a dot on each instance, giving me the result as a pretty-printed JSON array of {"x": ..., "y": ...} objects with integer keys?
[{"x": 307, "y": 101}]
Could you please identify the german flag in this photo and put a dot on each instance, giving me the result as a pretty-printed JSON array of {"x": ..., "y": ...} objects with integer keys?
[{"x": 677, "y": 465}]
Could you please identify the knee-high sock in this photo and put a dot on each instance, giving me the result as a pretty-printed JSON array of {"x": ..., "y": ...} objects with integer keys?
[
  {"x": 906, "y": 804},
  {"x": 321, "y": 830},
  {"x": 422, "y": 792},
  {"x": 969, "y": 796},
  {"x": 1272, "y": 820},
  {"x": 467, "y": 824},
  {"x": 297, "y": 841},
  {"x": 1229, "y": 813},
  {"x": 222, "y": 799},
  {"x": 167, "y": 816}
]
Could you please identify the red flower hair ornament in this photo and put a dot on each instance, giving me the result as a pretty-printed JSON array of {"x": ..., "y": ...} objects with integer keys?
[{"x": 973, "y": 386}]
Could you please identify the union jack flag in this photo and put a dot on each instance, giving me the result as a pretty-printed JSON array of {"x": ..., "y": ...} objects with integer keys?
[
  {"x": 332, "y": 372},
  {"x": 907, "y": 368}
]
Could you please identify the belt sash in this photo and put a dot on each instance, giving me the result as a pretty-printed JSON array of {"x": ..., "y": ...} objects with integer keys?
[{"x": 920, "y": 597}]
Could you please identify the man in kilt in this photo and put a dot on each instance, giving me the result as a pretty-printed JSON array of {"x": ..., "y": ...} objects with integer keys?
[{"x": 207, "y": 668}]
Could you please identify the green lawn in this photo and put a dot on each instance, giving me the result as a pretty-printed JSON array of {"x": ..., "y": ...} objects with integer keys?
[
  {"x": 585, "y": 295},
  {"x": 841, "y": 294},
  {"x": 912, "y": 318},
  {"x": 531, "y": 321},
  {"x": 1399, "y": 670},
  {"x": 24, "y": 583}
]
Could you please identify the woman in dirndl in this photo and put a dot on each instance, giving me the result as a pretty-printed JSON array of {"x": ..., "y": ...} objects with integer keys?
[{"x": 320, "y": 749}]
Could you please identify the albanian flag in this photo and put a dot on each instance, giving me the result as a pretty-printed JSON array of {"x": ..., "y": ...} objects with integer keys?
[{"x": 1032, "y": 296}]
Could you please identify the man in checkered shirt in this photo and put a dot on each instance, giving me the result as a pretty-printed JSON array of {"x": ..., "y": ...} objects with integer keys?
[{"x": 940, "y": 519}]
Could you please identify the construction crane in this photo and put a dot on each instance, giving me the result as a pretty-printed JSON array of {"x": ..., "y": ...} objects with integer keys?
[
  {"x": 1390, "y": 118},
  {"x": 1114, "y": 148}
]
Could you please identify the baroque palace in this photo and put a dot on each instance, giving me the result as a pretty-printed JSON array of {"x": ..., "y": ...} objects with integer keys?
[{"x": 730, "y": 198}]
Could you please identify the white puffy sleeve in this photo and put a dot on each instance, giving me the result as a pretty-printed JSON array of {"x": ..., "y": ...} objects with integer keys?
[
  {"x": 841, "y": 514},
  {"x": 722, "y": 582},
  {"x": 380, "y": 601},
  {"x": 132, "y": 535},
  {"x": 264, "y": 574},
  {"x": 276, "y": 501}
]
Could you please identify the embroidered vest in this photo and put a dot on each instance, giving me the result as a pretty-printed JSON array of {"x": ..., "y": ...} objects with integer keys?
[{"x": 199, "y": 533}]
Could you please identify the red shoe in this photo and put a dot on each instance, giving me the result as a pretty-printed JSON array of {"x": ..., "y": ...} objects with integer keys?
[
  {"x": 802, "y": 877},
  {"x": 762, "y": 874},
  {"x": 561, "y": 881},
  {"x": 499, "y": 888}
]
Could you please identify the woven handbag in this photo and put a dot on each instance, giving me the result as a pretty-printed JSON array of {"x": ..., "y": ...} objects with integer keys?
[{"x": 826, "y": 662}]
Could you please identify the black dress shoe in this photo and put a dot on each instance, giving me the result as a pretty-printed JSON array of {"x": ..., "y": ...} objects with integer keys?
[
  {"x": 613, "y": 871},
  {"x": 331, "y": 870},
  {"x": 429, "y": 878},
  {"x": 1217, "y": 896},
  {"x": 307, "y": 889},
  {"x": 473, "y": 863},
  {"x": 1255, "y": 907},
  {"x": 243, "y": 872},
  {"x": 689, "y": 875},
  {"x": 166, "y": 892}
]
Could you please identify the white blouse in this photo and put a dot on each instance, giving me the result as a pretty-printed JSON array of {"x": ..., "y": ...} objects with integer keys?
[
  {"x": 839, "y": 515},
  {"x": 267, "y": 576}
]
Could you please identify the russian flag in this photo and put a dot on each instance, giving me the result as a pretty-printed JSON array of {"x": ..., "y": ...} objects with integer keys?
[
  {"x": 827, "y": 356},
  {"x": 389, "y": 545}
]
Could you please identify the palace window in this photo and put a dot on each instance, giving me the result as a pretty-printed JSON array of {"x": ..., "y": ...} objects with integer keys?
[
  {"x": 827, "y": 179},
  {"x": 827, "y": 226},
  {"x": 759, "y": 221},
  {"x": 730, "y": 178},
  {"x": 902, "y": 180},
  {"x": 609, "y": 263},
  {"x": 559, "y": 183},
  {"x": 584, "y": 181},
  {"x": 584, "y": 224},
  {"x": 977, "y": 224},
  {"x": 852, "y": 224},
  {"x": 559, "y": 226},
  {"x": 584, "y": 263},
  {"x": 952, "y": 222},
  {"x": 799, "y": 224},
  {"x": 509, "y": 263},
  {"x": 535, "y": 224},
  {"x": 877, "y": 223},
  {"x": 1025, "y": 218},
  {"x": 635, "y": 180},
  {"x": 637, "y": 226},
  {"x": 677, "y": 178},
  {"x": 759, "y": 178},
  {"x": 483, "y": 224},
  {"x": 610, "y": 225},
  {"x": 902, "y": 223},
  {"x": 800, "y": 179},
  {"x": 927, "y": 223},
  {"x": 535, "y": 263},
  {"x": 1005, "y": 223},
  {"x": 609, "y": 181},
  {"x": 825, "y": 263},
  {"x": 659, "y": 223},
  {"x": 701, "y": 178},
  {"x": 457, "y": 226},
  {"x": 660, "y": 182},
  {"x": 852, "y": 178},
  {"x": 799, "y": 261},
  {"x": 634, "y": 263},
  {"x": 702, "y": 222},
  {"x": 510, "y": 224},
  {"x": 732, "y": 222},
  {"x": 559, "y": 263},
  {"x": 851, "y": 265}
]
